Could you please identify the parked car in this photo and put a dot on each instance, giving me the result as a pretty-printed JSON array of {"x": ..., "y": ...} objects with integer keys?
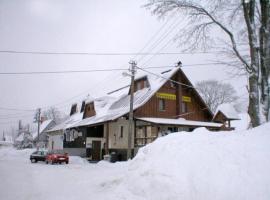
[
  {"x": 57, "y": 156},
  {"x": 38, "y": 156}
]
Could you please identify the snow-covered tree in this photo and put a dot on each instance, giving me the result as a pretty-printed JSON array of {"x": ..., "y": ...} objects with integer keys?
[
  {"x": 216, "y": 93},
  {"x": 232, "y": 23},
  {"x": 54, "y": 114}
]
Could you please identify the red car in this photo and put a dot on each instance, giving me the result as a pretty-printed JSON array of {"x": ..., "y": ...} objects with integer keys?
[{"x": 57, "y": 156}]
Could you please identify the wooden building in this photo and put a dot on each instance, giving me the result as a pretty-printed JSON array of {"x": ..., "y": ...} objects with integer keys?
[
  {"x": 225, "y": 114},
  {"x": 163, "y": 103}
]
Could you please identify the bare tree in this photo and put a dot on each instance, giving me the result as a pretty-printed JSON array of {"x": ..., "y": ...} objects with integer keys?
[
  {"x": 215, "y": 93},
  {"x": 54, "y": 114},
  {"x": 224, "y": 19}
]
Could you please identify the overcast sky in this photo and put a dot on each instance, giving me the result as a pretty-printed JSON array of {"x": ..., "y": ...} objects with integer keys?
[{"x": 99, "y": 26}]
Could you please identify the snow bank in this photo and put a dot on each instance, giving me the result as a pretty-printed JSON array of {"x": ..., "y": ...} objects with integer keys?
[
  {"x": 10, "y": 153},
  {"x": 181, "y": 166},
  {"x": 77, "y": 160},
  {"x": 200, "y": 165}
]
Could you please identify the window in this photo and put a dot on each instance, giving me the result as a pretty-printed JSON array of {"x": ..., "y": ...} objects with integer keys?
[
  {"x": 184, "y": 107},
  {"x": 139, "y": 85},
  {"x": 161, "y": 104},
  {"x": 73, "y": 109},
  {"x": 83, "y": 105},
  {"x": 121, "y": 131}
]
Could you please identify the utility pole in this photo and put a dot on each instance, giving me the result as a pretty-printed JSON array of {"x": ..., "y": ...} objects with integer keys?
[
  {"x": 132, "y": 69},
  {"x": 38, "y": 121}
]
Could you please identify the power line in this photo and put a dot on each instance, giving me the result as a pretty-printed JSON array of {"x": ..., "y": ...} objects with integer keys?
[
  {"x": 162, "y": 37},
  {"x": 159, "y": 39},
  {"x": 60, "y": 72},
  {"x": 99, "y": 70},
  {"x": 154, "y": 35},
  {"x": 109, "y": 54},
  {"x": 16, "y": 117},
  {"x": 15, "y": 109}
]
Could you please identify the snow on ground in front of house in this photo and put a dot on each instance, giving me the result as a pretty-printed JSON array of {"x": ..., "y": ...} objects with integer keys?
[{"x": 187, "y": 166}]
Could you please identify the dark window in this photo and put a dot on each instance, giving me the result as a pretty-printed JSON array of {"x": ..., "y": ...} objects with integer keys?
[
  {"x": 96, "y": 131},
  {"x": 184, "y": 107},
  {"x": 73, "y": 109},
  {"x": 161, "y": 104},
  {"x": 83, "y": 105},
  {"x": 121, "y": 131},
  {"x": 173, "y": 129}
]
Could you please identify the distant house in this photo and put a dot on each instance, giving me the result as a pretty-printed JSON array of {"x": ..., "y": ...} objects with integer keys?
[
  {"x": 100, "y": 126},
  {"x": 58, "y": 133},
  {"x": 225, "y": 114},
  {"x": 41, "y": 140}
]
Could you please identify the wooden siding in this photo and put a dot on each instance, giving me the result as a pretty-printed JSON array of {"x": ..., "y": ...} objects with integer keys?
[
  {"x": 140, "y": 84},
  {"x": 220, "y": 118},
  {"x": 89, "y": 110},
  {"x": 196, "y": 109}
]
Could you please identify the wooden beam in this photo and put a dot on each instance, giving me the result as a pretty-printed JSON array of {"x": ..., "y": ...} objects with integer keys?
[{"x": 107, "y": 139}]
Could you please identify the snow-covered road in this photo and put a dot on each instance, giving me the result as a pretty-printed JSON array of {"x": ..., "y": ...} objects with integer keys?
[
  {"x": 184, "y": 166},
  {"x": 20, "y": 179}
]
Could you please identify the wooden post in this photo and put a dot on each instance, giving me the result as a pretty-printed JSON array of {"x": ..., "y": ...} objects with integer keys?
[{"x": 107, "y": 139}]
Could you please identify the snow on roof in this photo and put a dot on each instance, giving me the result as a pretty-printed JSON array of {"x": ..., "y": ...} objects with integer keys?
[
  {"x": 89, "y": 99},
  {"x": 116, "y": 104},
  {"x": 43, "y": 126},
  {"x": 180, "y": 121},
  {"x": 228, "y": 110},
  {"x": 73, "y": 119},
  {"x": 119, "y": 106}
]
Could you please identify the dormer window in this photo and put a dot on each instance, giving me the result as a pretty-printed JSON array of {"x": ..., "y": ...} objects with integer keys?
[
  {"x": 141, "y": 83},
  {"x": 89, "y": 110},
  {"x": 138, "y": 86},
  {"x": 83, "y": 105},
  {"x": 73, "y": 109}
]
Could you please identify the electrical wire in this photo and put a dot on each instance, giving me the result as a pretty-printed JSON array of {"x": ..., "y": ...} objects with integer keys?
[
  {"x": 60, "y": 72},
  {"x": 15, "y": 109}
]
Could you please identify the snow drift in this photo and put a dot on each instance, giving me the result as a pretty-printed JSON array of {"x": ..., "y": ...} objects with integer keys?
[{"x": 200, "y": 165}]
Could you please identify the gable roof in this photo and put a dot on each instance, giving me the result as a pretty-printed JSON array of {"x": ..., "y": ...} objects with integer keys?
[
  {"x": 43, "y": 126},
  {"x": 116, "y": 104},
  {"x": 228, "y": 111},
  {"x": 120, "y": 106}
]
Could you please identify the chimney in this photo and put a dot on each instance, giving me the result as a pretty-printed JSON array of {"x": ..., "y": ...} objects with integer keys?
[{"x": 179, "y": 64}]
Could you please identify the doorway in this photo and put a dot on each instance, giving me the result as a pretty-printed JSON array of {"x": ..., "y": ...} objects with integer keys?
[{"x": 96, "y": 150}]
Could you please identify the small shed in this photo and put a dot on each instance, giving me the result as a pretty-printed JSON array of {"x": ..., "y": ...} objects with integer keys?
[{"x": 226, "y": 113}]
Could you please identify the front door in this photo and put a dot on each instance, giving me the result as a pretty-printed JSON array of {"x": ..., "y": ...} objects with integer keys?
[{"x": 96, "y": 150}]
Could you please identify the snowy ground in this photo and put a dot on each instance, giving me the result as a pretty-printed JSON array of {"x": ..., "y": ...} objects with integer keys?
[{"x": 186, "y": 166}]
